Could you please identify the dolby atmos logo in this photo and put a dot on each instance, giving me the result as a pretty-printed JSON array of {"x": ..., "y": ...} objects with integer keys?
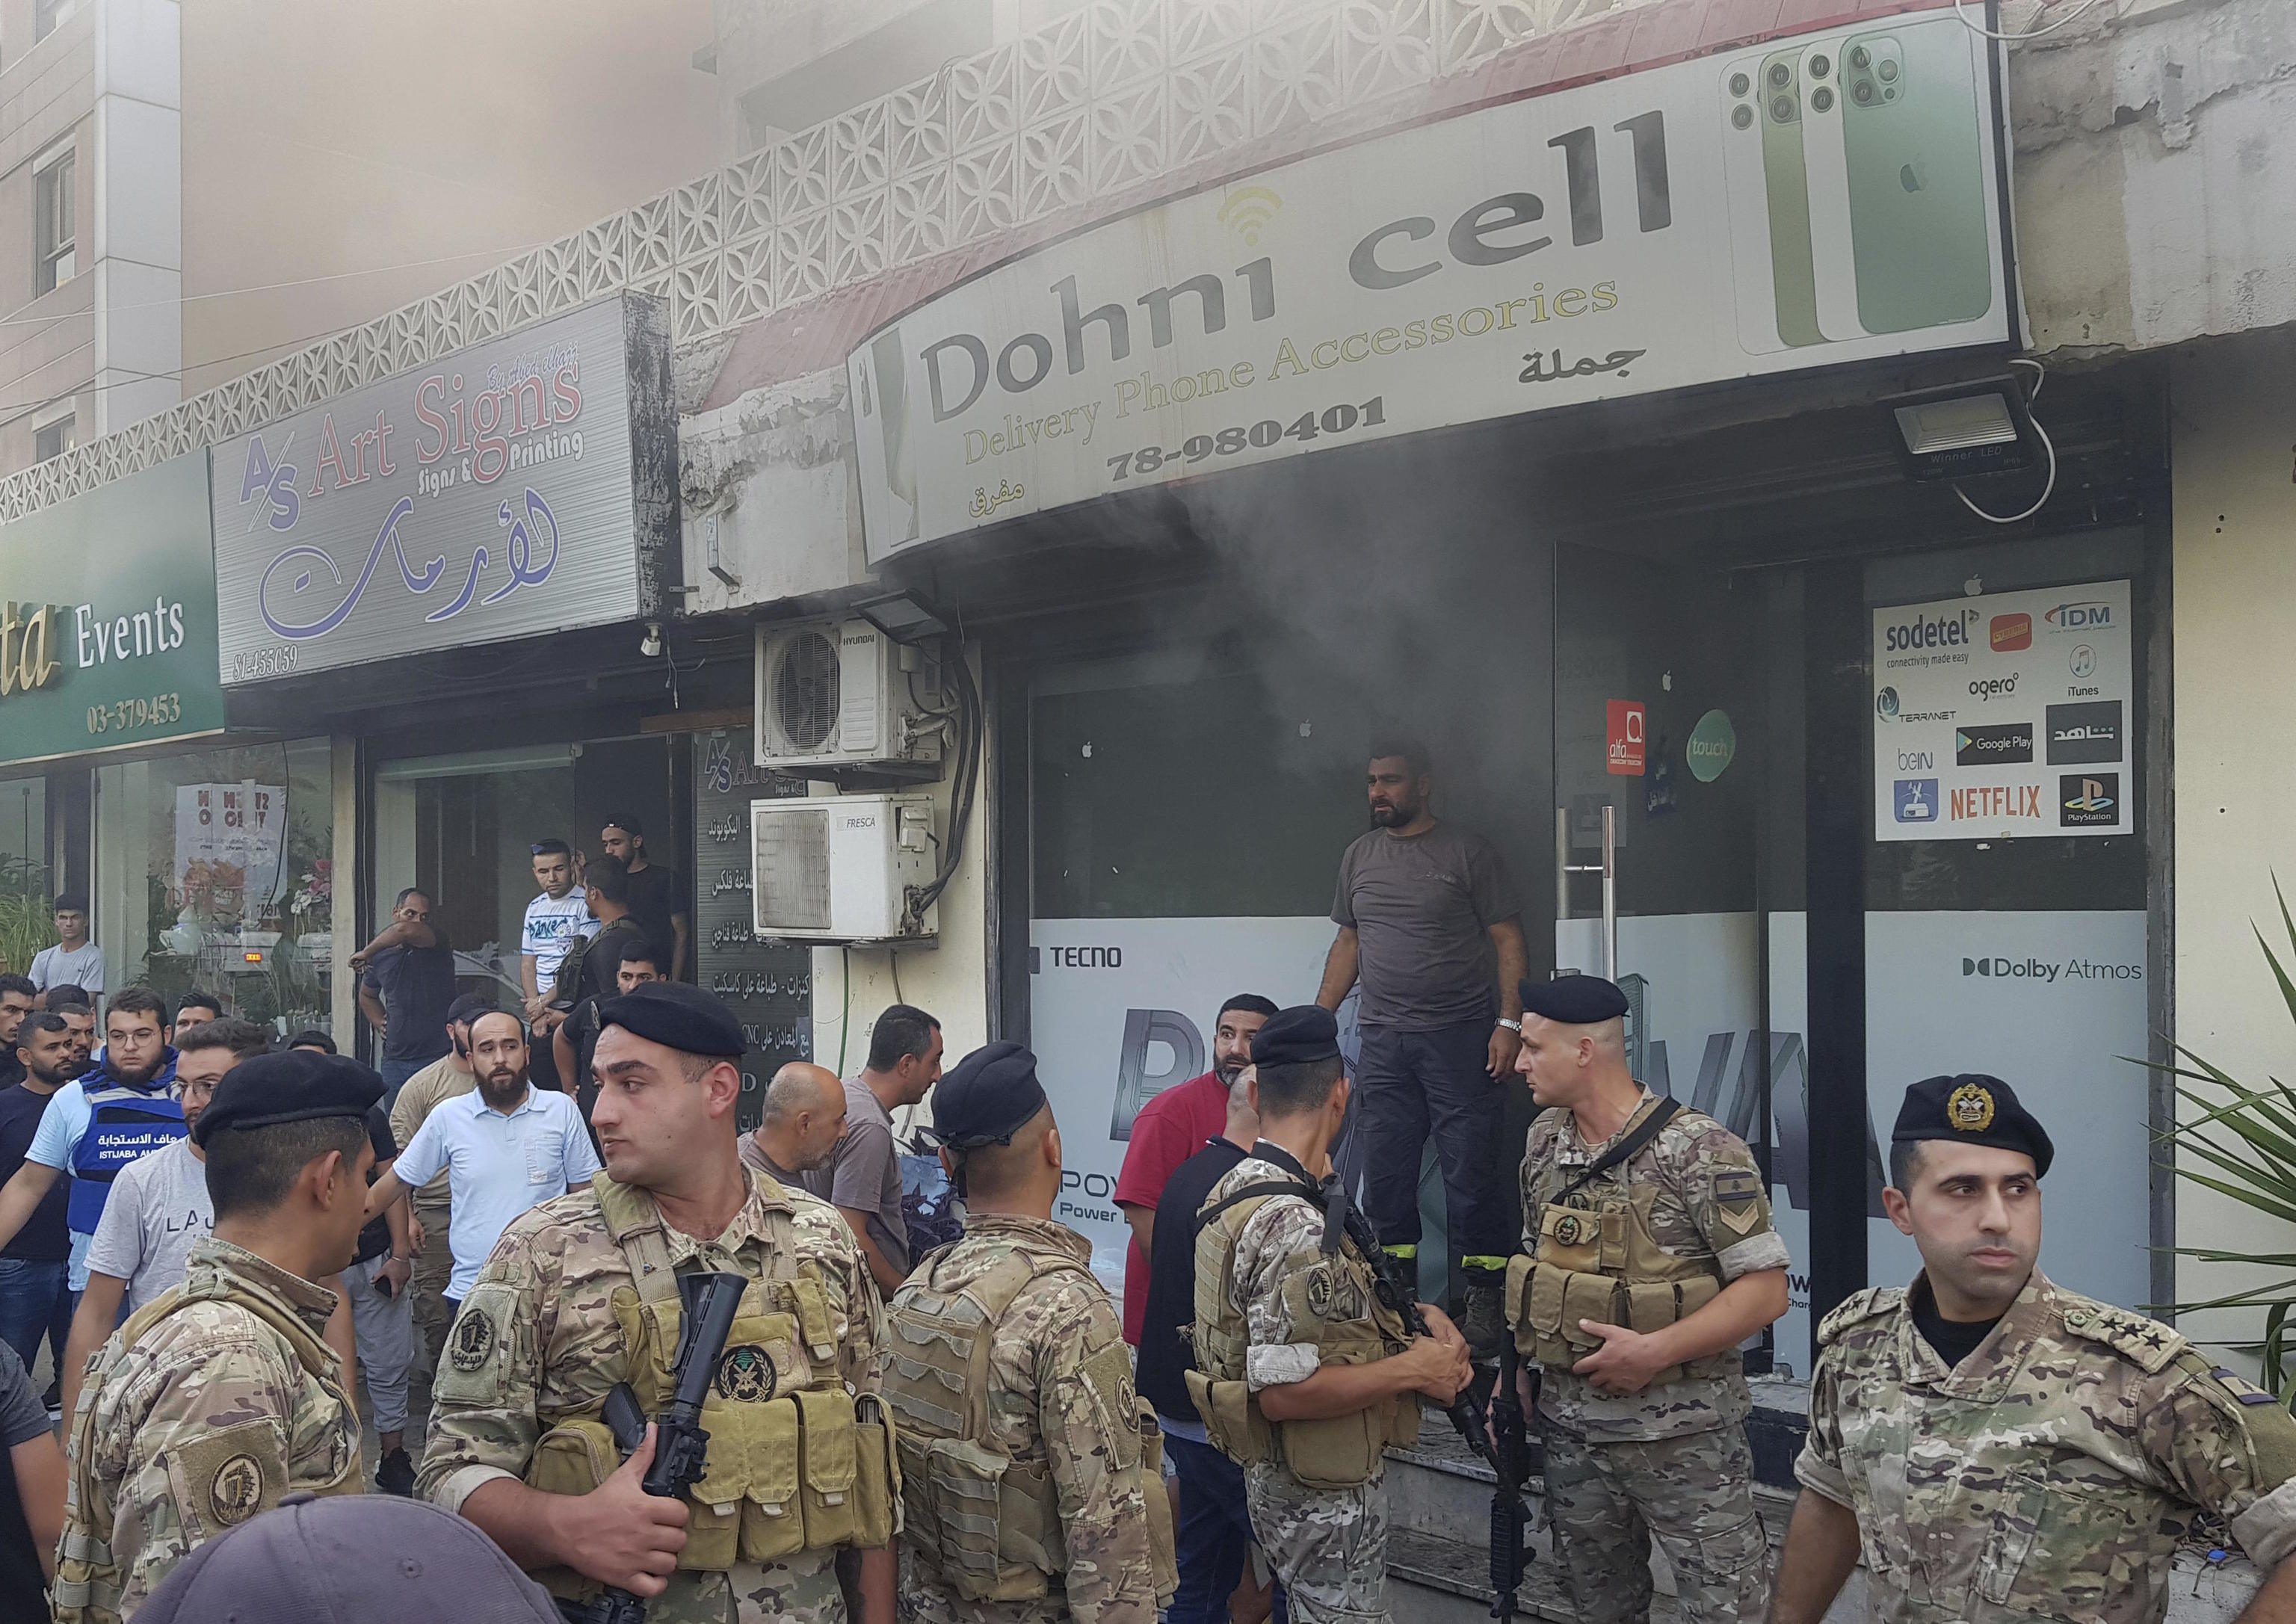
[{"x": 2046, "y": 972}]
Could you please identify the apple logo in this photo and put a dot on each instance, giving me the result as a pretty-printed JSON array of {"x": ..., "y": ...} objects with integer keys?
[{"x": 1912, "y": 177}]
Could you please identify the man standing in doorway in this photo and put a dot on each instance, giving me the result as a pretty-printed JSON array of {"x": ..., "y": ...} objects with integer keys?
[
  {"x": 863, "y": 1180},
  {"x": 35, "y": 1294},
  {"x": 1173, "y": 1127},
  {"x": 17, "y": 997},
  {"x": 553, "y": 921},
  {"x": 1428, "y": 926},
  {"x": 407, "y": 980},
  {"x": 74, "y": 960},
  {"x": 657, "y": 895}
]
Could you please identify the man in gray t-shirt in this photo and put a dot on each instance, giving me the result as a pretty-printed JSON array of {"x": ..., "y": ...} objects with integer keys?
[
  {"x": 863, "y": 1180},
  {"x": 1428, "y": 926}
]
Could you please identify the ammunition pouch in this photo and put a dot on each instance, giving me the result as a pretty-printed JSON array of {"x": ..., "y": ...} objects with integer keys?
[{"x": 1599, "y": 1265}]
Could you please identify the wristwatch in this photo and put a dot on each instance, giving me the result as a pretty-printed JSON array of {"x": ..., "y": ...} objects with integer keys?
[{"x": 1512, "y": 1026}]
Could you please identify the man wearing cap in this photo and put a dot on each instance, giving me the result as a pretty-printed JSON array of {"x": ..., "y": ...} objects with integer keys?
[
  {"x": 581, "y": 1293},
  {"x": 431, "y": 1209},
  {"x": 1013, "y": 1383},
  {"x": 2000, "y": 1447},
  {"x": 214, "y": 1400},
  {"x": 1305, "y": 1370},
  {"x": 1647, "y": 1258}
]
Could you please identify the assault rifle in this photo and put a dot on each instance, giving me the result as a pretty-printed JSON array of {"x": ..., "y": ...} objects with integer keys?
[
  {"x": 707, "y": 1304},
  {"x": 1510, "y": 1461}
]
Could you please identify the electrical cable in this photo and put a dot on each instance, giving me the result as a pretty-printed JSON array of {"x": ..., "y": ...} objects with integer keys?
[
  {"x": 967, "y": 784},
  {"x": 2040, "y": 376},
  {"x": 1960, "y": 10},
  {"x": 845, "y": 1016}
]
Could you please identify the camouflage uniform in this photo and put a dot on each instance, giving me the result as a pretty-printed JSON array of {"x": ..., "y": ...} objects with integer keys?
[
  {"x": 1669, "y": 1462},
  {"x": 1060, "y": 1402},
  {"x": 1328, "y": 1545},
  {"x": 204, "y": 1409},
  {"x": 2052, "y": 1473},
  {"x": 552, "y": 1347}
]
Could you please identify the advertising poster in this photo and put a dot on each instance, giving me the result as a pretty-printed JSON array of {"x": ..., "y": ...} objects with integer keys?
[
  {"x": 2004, "y": 715},
  {"x": 1824, "y": 198},
  {"x": 2054, "y": 1003},
  {"x": 1121, "y": 1008},
  {"x": 230, "y": 839},
  {"x": 487, "y": 495}
]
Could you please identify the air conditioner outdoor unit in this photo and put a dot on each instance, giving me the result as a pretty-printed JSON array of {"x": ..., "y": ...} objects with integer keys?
[
  {"x": 840, "y": 868},
  {"x": 833, "y": 694}
]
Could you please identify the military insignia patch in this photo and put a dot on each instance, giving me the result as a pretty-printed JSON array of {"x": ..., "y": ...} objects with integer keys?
[
  {"x": 1736, "y": 1187},
  {"x": 1740, "y": 1218},
  {"x": 746, "y": 1374},
  {"x": 235, "y": 1490},
  {"x": 1567, "y": 1230},
  {"x": 2232, "y": 1383},
  {"x": 1319, "y": 1291},
  {"x": 1969, "y": 1109},
  {"x": 472, "y": 1340}
]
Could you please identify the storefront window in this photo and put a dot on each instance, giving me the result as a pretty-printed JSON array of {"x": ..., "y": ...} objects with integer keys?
[
  {"x": 214, "y": 870},
  {"x": 26, "y": 891}
]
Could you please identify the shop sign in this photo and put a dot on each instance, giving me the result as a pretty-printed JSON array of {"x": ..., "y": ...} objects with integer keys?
[
  {"x": 1821, "y": 197},
  {"x": 107, "y": 619},
  {"x": 1628, "y": 728},
  {"x": 519, "y": 488},
  {"x": 1980, "y": 704},
  {"x": 1713, "y": 746}
]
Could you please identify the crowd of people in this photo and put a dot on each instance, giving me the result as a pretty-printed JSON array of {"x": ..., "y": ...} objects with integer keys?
[{"x": 231, "y": 1247}]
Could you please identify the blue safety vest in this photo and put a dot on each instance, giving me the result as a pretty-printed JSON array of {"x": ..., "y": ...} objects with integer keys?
[{"x": 124, "y": 1124}]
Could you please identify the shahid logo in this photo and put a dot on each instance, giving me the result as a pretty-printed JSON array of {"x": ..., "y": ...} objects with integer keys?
[{"x": 2084, "y": 733}]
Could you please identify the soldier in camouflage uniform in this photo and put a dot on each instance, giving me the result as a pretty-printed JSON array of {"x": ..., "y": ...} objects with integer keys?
[
  {"x": 1304, "y": 1376},
  {"x": 580, "y": 1294},
  {"x": 2005, "y": 1448},
  {"x": 1648, "y": 1257},
  {"x": 220, "y": 1397},
  {"x": 1031, "y": 1472}
]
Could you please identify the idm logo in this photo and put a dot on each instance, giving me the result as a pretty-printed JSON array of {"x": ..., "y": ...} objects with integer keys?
[
  {"x": 1885, "y": 703},
  {"x": 2080, "y": 617}
]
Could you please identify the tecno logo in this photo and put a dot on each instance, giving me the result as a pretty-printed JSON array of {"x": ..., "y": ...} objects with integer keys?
[
  {"x": 1988, "y": 688},
  {"x": 1087, "y": 958},
  {"x": 1931, "y": 632}
]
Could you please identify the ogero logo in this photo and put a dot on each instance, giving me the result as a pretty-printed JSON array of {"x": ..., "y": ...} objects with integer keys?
[{"x": 1988, "y": 688}]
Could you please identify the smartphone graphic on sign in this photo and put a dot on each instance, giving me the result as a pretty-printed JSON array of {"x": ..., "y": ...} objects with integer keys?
[
  {"x": 1833, "y": 255},
  {"x": 1767, "y": 175},
  {"x": 1916, "y": 177}
]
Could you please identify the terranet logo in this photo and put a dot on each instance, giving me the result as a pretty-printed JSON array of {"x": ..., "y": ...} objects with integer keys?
[
  {"x": 2084, "y": 733},
  {"x": 1917, "y": 800},
  {"x": 2046, "y": 973},
  {"x": 2085, "y": 800},
  {"x": 2004, "y": 744},
  {"x": 2080, "y": 617},
  {"x": 2012, "y": 633}
]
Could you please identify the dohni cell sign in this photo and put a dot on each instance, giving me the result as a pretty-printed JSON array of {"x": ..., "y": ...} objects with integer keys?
[{"x": 1822, "y": 197}]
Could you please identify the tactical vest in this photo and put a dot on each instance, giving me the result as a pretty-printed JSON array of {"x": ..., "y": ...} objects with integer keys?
[
  {"x": 237, "y": 1486},
  {"x": 795, "y": 1461},
  {"x": 990, "y": 1524},
  {"x": 124, "y": 1125},
  {"x": 1333, "y": 1301},
  {"x": 1595, "y": 1259}
]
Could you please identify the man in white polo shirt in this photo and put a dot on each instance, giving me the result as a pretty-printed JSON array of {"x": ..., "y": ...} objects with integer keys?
[{"x": 504, "y": 1146}]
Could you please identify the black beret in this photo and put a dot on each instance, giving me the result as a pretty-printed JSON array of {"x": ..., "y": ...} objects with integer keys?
[
  {"x": 1573, "y": 1000},
  {"x": 987, "y": 1097},
  {"x": 1297, "y": 1036},
  {"x": 677, "y": 1015},
  {"x": 295, "y": 1085},
  {"x": 1972, "y": 1109}
]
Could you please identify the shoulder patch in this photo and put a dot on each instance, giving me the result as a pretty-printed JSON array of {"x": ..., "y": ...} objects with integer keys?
[
  {"x": 1737, "y": 1186},
  {"x": 1872, "y": 1303},
  {"x": 2146, "y": 1343}
]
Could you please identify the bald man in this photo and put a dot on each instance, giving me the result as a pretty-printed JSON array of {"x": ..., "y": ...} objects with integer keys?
[{"x": 804, "y": 1117}]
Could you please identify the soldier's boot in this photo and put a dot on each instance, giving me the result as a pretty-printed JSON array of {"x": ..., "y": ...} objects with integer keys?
[{"x": 1483, "y": 1320}]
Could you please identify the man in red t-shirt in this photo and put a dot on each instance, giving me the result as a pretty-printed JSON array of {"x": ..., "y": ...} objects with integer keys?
[{"x": 1171, "y": 1127}]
